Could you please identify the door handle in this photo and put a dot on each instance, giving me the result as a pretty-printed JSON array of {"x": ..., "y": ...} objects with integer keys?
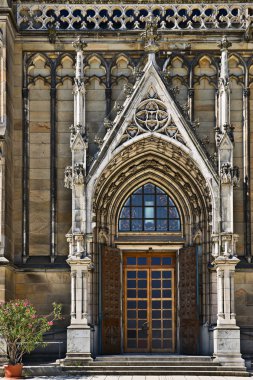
[{"x": 145, "y": 327}]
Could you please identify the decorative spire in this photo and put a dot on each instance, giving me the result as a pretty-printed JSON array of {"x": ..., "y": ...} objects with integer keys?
[
  {"x": 79, "y": 46},
  {"x": 224, "y": 90},
  {"x": 79, "y": 88},
  {"x": 224, "y": 45},
  {"x": 150, "y": 35}
]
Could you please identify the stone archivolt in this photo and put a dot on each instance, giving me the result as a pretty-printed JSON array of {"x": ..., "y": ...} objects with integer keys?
[{"x": 152, "y": 160}]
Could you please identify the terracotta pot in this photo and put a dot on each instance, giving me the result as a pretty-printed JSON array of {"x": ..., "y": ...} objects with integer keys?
[{"x": 13, "y": 370}]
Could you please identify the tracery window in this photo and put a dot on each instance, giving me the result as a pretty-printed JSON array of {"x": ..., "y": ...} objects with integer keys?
[{"x": 149, "y": 209}]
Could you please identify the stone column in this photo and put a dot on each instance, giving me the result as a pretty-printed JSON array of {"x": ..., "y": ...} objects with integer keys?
[
  {"x": 227, "y": 333},
  {"x": 78, "y": 333}
]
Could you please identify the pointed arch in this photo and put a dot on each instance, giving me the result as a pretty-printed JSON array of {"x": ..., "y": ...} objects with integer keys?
[
  {"x": 212, "y": 60},
  {"x": 117, "y": 56},
  {"x": 176, "y": 57}
]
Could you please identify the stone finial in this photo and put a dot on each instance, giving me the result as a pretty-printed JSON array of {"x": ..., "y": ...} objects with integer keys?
[
  {"x": 224, "y": 44},
  {"x": 79, "y": 44},
  {"x": 150, "y": 35}
]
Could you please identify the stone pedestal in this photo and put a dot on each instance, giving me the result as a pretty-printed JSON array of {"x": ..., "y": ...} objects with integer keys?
[
  {"x": 78, "y": 346},
  {"x": 227, "y": 346},
  {"x": 226, "y": 335}
]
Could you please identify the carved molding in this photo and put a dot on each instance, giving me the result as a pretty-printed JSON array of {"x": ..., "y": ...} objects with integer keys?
[
  {"x": 229, "y": 175},
  {"x": 68, "y": 177},
  {"x": 75, "y": 177},
  {"x": 160, "y": 160},
  {"x": 78, "y": 175}
]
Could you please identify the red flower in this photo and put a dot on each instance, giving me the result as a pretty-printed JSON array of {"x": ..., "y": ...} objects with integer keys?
[{"x": 50, "y": 323}]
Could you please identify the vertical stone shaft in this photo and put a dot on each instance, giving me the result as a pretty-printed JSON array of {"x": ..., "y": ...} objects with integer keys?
[
  {"x": 220, "y": 278},
  {"x": 73, "y": 295},
  {"x": 232, "y": 295},
  {"x": 227, "y": 292},
  {"x": 224, "y": 90}
]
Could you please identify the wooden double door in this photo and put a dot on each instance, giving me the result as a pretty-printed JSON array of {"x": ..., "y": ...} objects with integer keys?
[
  {"x": 149, "y": 302},
  {"x": 139, "y": 303}
]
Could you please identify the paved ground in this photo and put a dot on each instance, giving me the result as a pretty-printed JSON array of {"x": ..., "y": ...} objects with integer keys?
[{"x": 141, "y": 378}]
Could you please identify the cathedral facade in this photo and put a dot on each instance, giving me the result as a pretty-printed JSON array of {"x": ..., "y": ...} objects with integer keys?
[{"x": 125, "y": 173}]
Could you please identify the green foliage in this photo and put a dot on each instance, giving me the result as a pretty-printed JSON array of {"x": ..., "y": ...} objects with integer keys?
[{"x": 22, "y": 328}]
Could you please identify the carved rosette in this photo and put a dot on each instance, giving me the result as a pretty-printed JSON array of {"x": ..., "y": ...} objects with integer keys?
[{"x": 152, "y": 115}]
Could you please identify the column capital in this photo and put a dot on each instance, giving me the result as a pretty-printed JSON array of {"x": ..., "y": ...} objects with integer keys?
[
  {"x": 77, "y": 261},
  {"x": 223, "y": 262}
]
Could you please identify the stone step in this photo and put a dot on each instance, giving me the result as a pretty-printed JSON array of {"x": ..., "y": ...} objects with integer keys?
[
  {"x": 158, "y": 372},
  {"x": 152, "y": 357},
  {"x": 151, "y": 363},
  {"x": 116, "y": 368}
]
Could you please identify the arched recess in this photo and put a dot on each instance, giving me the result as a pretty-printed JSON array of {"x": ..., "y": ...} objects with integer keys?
[
  {"x": 165, "y": 165},
  {"x": 178, "y": 71},
  {"x": 64, "y": 118},
  {"x": 39, "y": 81},
  {"x": 121, "y": 75},
  {"x": 237, "y": 85}
]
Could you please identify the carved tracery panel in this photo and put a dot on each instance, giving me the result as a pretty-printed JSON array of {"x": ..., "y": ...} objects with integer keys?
[{"x": 111, "y": 301}]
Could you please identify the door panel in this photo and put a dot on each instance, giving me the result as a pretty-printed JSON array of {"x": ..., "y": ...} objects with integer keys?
[
  {"x": 189, "y": 323},
  {"x": 149, "y": 311},
  {"x": 136, "y": 310},
  {"x": 162, "y": 299},
  {"x": 111, "y": 301}
]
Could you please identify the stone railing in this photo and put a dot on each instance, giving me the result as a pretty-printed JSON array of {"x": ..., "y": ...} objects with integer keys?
[{"x": 170, "y": 17}]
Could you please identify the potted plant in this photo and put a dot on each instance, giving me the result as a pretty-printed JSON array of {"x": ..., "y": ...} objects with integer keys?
[{"x": 22, "y": 329}]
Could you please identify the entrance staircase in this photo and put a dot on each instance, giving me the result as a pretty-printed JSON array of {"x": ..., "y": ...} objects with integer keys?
[{"x": 155, "y": 365}]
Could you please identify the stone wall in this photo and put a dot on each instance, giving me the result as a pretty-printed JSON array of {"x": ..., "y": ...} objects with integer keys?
[
  {"x": 244, "y": 308},
  {"x": 103, "y": 96}
]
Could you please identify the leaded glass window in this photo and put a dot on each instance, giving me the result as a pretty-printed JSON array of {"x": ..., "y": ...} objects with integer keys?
[{"x": 149, "y": 209}]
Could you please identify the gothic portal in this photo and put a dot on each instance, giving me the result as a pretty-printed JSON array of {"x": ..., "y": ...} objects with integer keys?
[{"x": 125, "y": 174}]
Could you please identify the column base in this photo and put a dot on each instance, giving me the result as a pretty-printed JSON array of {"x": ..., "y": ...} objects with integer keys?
[
  {"x": 78, "y": 346},
  {"x": 226, "y": 341}
]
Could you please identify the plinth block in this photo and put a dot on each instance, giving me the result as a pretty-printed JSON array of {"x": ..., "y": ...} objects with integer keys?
[{"x": 227, "y": 346}]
